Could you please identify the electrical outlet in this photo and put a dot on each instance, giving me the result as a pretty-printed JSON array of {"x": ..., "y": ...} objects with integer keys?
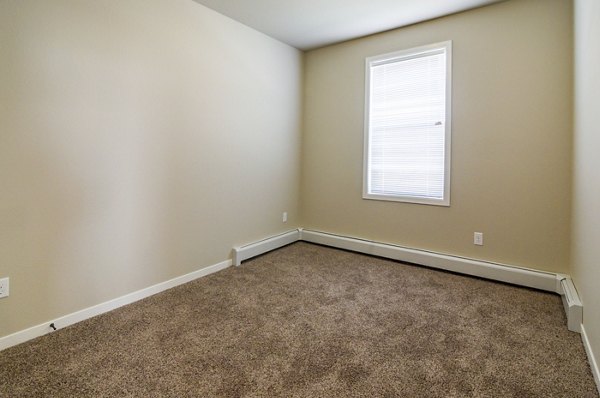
[
  {"x": 478, "y": 238},
  {"x": 284, "y": 217},
  {"x": 3, "y": 287}
]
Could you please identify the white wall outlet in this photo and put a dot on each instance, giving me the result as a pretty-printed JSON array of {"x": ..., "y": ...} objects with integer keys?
[
  {"x": 284, "y": 216},
  {"x": 3, "y": 287},
  {"x": 478, "y": 238}
]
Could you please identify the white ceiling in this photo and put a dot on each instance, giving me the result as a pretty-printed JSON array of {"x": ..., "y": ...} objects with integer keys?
[{"x": 308, "y": 24}]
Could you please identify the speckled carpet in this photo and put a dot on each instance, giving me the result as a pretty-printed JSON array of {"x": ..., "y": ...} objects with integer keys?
[{"x": 311, "y": 321}]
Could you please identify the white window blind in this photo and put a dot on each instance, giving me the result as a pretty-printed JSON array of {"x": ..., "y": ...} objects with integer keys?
[{"x": 407, "y": 127}]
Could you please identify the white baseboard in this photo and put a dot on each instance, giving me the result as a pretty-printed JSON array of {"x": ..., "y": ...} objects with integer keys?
[
  {"x": 66, "y": 320},
  {"x": 250, "y": 250},
  {"x": 494, "y": 271},
  {"x": 591, "y": 357},
  {"x": 499, "y": 272}
]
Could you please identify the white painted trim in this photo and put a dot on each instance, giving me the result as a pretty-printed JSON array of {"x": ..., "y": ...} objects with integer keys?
[
  {"x": 484, "y": 269},
  {"x": 591, "y": 357},
  {"x": 399, "y": 56},
  {"x": 572, "y": 304},
  {"x": 254, "y": 249},
  {"x": 66, "y": 320}
]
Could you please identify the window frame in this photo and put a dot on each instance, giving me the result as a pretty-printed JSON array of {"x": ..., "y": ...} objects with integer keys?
[{"x": 399, "y": 56}]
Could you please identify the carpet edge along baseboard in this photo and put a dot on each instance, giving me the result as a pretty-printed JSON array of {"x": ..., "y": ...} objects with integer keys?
[{"x": 86, "y": 313}]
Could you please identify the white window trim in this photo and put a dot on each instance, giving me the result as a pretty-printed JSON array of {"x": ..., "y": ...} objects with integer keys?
[{"x": 448, "y": 125}]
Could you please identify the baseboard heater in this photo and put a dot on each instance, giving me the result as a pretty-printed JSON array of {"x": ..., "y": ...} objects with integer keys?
[
  {"x": 572, "y": 304},
  {"x": 483, "y": 269},
  {"x": 254, "y": 249},
  {"x": 547, "y": 281}
]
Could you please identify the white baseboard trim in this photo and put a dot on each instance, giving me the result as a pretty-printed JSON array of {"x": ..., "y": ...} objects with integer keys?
[
  {"x": 591, "y": 357},
  {"x": 494, "y": 271},
  {"x": 254, "y": 249},
  {"x": 66, "y": 320},
  {"x": 499, "y": 272}
]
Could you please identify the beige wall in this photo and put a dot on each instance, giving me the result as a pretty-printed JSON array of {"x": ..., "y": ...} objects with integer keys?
[
  {"x": 586, "y": 176},
  {"x": 139, "y": 140},
  {"x": 511, "y": 145}
]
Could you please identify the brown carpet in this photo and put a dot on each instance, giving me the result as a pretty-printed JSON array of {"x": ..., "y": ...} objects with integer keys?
[{"x": 310, "y": 321}]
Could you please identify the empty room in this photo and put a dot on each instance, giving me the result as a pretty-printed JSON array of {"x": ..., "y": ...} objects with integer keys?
[{"x": 221, "y": 198}]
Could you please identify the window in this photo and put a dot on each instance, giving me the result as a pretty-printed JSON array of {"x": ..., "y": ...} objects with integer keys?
[{"x": 407, "y": 126}]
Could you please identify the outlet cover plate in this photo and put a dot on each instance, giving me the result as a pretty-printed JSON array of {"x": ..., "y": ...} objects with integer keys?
[
  {"x": 3, "y": 287},
  {"x": 478, "y": 238}
]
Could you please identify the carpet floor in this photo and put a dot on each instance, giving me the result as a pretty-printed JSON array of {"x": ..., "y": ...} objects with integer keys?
[{"x": 311, "y": 321}]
